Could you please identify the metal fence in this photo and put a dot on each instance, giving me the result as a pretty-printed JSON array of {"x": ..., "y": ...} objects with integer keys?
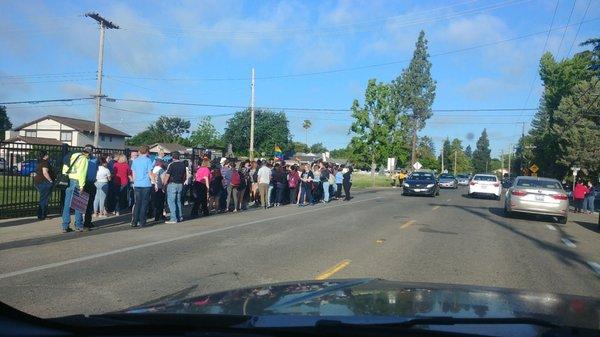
[{"x": 18, "y": 163}]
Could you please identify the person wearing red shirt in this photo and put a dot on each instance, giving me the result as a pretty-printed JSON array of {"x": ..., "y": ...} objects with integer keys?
[
  {"x": 578, "y": 195},
  {"x": 201, "y": 188},
  {"x": 121, "y": 177}
]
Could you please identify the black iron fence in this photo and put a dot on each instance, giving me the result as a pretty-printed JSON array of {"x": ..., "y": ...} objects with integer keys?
[{"x": 18, "y": 163}]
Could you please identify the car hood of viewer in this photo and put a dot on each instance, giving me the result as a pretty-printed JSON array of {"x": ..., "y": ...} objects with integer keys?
[{"x": 375, "y": 297}]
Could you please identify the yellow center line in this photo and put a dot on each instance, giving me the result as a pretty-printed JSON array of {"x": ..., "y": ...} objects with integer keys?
[
  {"x": 329, "y": 272},
  {"x": 435, "y": 207},
  {"x": 407, "y": 224}
]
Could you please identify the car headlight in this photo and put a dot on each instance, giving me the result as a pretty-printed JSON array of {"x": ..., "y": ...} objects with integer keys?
[
  {"x": 405, "y": 185},
  {"x": 430, "y": 185}
]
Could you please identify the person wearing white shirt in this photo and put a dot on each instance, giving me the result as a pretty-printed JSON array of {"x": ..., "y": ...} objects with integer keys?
[
  {"x": 264, "y": 179},
  {"x": 102, "y": 179}
]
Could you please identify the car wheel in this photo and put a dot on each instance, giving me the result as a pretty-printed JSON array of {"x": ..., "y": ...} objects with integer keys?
[{"x": 562, "y": 220}]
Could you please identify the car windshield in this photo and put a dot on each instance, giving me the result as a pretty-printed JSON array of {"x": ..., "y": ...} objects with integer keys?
[
  {"x": 535, "y": 183},
  {"x": 421, "y": 176},
  {"x": 153, "y": 152},
  {"x": 485, "y": 178}
]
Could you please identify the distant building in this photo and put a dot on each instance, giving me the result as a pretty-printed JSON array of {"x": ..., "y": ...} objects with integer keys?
[
  {"x": 71, "y": 131},
  {"x": 168, "y": 148}
]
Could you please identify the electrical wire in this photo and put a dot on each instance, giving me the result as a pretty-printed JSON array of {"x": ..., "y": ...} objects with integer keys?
[
  {"x": 47, "y": 100},
  {"x": 565, "y": 31},
  {"x": 579, "y": 27}
]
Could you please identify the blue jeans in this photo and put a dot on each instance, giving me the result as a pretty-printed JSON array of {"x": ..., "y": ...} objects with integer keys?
[
  {"x": 66, "y": 213},
  {"x": 305, "y": 192},
  {"x": 588, "y": 203},
  {"x": 270, "y": 195},
  {"x": 122, "y": 198},
  {"x": 101, "y": 192},
  {"x": 140, "y": 210},
  {"x": 174, "y": 201},
  {"x": 45, "y": 189},
  {"x": 326, "y": 191}
]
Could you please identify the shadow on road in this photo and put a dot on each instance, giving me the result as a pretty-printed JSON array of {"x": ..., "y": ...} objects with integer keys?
[
  {"x": 176, "y": 296},
  {"x": 523, "y": 216},
  {"x": 594, "y": 227},
  {"x": 22, "y": 221},
  {"x": 564, "y": 255}
]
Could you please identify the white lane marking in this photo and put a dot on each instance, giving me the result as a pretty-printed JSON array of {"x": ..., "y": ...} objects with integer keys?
[
  {"x": 177, "y": 238},
  {"x": 568, "y": 243},
  {"x": 595, "y": 267},
  {"x": 550, "y": 227}
]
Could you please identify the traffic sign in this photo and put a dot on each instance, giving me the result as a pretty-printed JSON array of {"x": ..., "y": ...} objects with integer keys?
[
  {"x": 534, "y": 168},
  {"x": 417, "y": 165}
]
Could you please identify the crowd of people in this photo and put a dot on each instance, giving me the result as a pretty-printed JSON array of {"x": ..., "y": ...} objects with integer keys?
[
  {"x": 584, "y": 197},
  {"x": 158, "y": 188}
]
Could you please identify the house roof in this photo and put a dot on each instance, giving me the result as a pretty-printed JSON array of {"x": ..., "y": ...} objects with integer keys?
[
  {"x": 34, "y": 140},
  {"x": 80, "y": 125},
  {"x": 170, "y": 147}
]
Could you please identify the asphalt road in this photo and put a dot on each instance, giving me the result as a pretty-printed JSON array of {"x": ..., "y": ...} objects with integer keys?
[{"x": 447, "y": 239}]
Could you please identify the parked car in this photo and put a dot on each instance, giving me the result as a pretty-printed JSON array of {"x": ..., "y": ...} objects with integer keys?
[
  {"x": 537, "y": 195},
  {"x": 28, "y": 167},
  {"x": 485, "y": 185},
  {"x": 447, "y": 180},
  {"x": 463, "y": 179},
  {"x": 423, "y": 183}
]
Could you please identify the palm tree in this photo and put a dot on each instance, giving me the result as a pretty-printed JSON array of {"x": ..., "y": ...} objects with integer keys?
[{"x": 306, "y": 125}]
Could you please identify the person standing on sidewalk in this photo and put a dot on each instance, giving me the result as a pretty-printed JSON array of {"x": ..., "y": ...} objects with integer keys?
[
  {"x": 578, "y": 195},
  {"x": 226, "y": 174},
  {"x": 102, "y": 179},
  {"x": 43, "y": 180},
  {"x": 90, "y": 189},
  {"x": 306, "y": 178},
  {"x": 174, "y": 178},
  {"x": 293, "y": 182},
  {"x": 347, "y": 183},
  {"x": 264, "y": 179},
  {"x": 339, "y": 180},
  {"x": 201, "y": 187},
  {"x": 76, "y": 168},
  {"x": 142, "y": 175},
  {"x": 158, "y": 193},
  {"x": 121, "y": 175},
  {"x": 324, "y": 172},
  {"x": 589, "y": 199}
]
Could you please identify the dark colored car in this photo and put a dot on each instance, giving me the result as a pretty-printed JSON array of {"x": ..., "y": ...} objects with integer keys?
[
  {"x": 28, "y": 167},
  {"x": 447, "y": 180},
  {"x": 353, "y": 307},
  {"x": 421, "y": 183}
]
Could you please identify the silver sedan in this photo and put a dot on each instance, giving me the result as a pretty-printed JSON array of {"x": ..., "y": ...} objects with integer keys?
[{"x": 537, "y": 195}]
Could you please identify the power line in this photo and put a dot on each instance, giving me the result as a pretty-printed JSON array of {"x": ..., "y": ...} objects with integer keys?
[
  {"x": 46, "y": 100},
  {"x": 579, "y": 27},
  {"x": 339, "y": 70},
  {"x": 69, "y": 74},
  {"x": 565, "y": 31}
]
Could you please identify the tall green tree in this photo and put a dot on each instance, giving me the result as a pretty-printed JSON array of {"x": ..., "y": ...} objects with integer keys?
[
  {"x": 306, "y": 124},
  {"x": 339, "y": 153},
  {"x": 206, "y": 135},
  {"x": 164, "y": 130},
  {"x": 373, "y": 122},
  {"x": 414, "y": 91},
  {"x": 300, "y": 147},
  {"x": 595, "y": 60},
  {"x": 446, "y": 148},
  {"x": 5, "y": 123},
  {"x": 426, "y": 153},
  {"x": 463, "y": 162},
  {"x": 577, "y": 129},
  {"x": 469, "y": 151},
  {"x": 270, "y": 129},
  {"x": 481, "y": 155}
]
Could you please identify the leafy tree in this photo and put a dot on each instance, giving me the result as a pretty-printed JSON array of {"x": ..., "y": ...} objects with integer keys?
[
  {"x": 469, "y": 151},
  {"x": 5, "y": 123},
  {"x": 318, "y": 148},
  {"x": 426, "y": 153},
  {"x": 270, "y": 129},
  {"x": 447, "y": 148},
  {"x": 339, "y": 153},
  {"x": 463, "y": 162},
  {"x": 495, "y": 164},
  {"x": 371, "y": 127},
  {"x": 481, "y": 155},
  {"x": 206, "y": 135},
  {"x": 164, "y": 130},
  {"x": 414, "y": 91},
  {"x": 306, "y": 125},
  {"x": 300, "y": 147},
  {"x": 595, "y": 43},
  {"x": 577, "y": 129}
]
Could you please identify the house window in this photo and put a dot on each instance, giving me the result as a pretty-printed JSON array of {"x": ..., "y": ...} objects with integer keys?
[
  {"x": 66, "y": 136},
  {"x": 110, "y": 138},
  {"x": 102, "y": 137},
  {"x": 31, "y": 134}
]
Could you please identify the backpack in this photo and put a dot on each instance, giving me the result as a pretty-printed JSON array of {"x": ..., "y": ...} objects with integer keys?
[{"x": 235, "y": 178}]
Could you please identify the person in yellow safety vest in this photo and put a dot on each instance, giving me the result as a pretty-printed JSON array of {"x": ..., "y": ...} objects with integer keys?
[
  {"x": 76, "y": 169},
  {"x": 401, "y": 177}
]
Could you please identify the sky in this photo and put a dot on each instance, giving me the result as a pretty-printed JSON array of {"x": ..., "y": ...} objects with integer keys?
[{"x": 306, "y": 54}]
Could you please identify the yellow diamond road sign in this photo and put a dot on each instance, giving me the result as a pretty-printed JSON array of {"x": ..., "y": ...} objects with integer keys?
[{"x": 534, "y": 168}]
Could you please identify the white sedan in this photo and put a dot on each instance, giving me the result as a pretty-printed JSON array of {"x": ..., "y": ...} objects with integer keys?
[{"x": 485, "y": 184}]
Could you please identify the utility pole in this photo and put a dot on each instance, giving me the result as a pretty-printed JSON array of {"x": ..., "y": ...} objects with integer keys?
[
  {"x": 522, "y": 146},
  {"x": 104, "y": 24},
  {"x": 502, "y": 162},
  {"x": 486, "y": 166},
  {"x": 252, "y": 119},
  {"x": 454, "y": 163},
  {"x": 509, "y": 154}
]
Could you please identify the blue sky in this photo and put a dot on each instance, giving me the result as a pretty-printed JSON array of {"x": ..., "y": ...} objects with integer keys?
[{"x": 203, "y": 52}]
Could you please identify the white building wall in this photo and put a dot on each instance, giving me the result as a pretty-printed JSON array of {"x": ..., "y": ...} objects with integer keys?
[{"x": 109, "y": 142}]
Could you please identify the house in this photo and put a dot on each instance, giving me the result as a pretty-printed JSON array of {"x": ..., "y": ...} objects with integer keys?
[
  {"x": 72, "y": 131},
  {"x": 168, "y": 148}
]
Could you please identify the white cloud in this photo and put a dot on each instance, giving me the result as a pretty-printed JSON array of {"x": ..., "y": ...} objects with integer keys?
[
  {"x": 479, "y": 29},
  {"x": 484, "y": 88}
]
